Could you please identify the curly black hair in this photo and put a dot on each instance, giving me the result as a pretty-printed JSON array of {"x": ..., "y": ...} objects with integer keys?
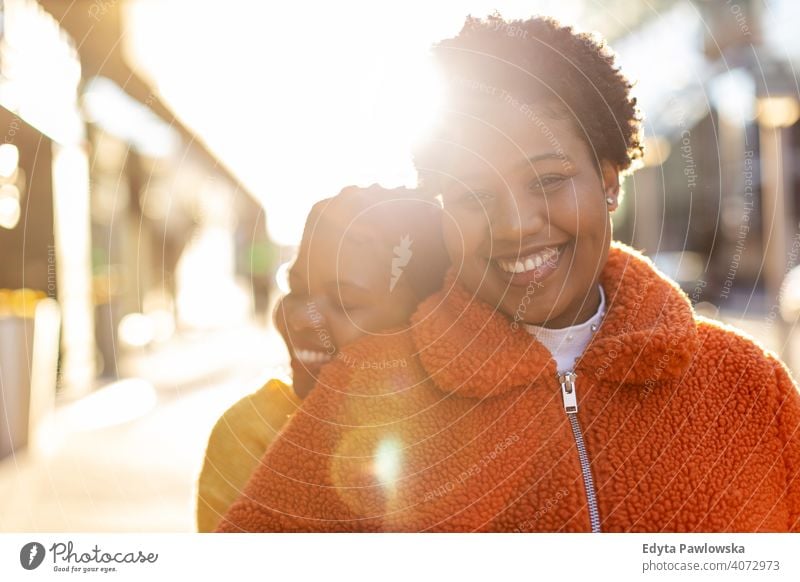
[{"x": 544, "y": 64}]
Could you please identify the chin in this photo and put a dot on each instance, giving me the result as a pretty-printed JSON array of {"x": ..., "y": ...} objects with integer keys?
[
  {"x": 531, "y": 313},
  {"x": 303, "y": 387}
]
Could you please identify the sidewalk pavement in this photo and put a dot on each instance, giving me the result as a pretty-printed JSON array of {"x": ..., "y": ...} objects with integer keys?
[{"x": 126, "y": 458}]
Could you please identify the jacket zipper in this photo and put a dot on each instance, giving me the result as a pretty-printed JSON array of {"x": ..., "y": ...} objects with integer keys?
[{"x": 567, "y": 381}]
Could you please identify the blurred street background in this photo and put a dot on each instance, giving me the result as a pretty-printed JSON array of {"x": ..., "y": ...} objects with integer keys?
[{"x": 159, "y": 158}]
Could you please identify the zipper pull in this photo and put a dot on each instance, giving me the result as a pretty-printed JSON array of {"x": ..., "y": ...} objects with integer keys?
[{"x": 568, "y": 394}]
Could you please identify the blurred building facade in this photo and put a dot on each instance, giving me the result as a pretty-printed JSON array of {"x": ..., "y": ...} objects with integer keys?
[
  {"x": 716, "y": 203},
  {"x": 109, "y": 206}
]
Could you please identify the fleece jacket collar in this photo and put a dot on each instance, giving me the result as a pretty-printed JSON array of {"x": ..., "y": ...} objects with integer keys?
[{"x": 648, "y": 335}]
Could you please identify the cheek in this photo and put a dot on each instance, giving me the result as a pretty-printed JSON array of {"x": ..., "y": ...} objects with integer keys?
[
  {"x": 391, "y": 310},
  {"x": 594, "y": 222},
  {"x": 453, "y": 241},
  {"x": 588, "y": 212},
  {"x": 344, "y": 330},
  {"x": 593, "y": 235}
]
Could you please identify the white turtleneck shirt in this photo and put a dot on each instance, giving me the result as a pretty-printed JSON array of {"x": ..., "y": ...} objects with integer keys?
[{"x": 567, "y": 344}]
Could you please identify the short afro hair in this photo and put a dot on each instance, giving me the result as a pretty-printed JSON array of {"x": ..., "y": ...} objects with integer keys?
[{"x": 541, "y": 63}]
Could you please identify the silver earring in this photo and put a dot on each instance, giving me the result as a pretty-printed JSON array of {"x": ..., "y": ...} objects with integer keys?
[{"x": 609, "y": 201}]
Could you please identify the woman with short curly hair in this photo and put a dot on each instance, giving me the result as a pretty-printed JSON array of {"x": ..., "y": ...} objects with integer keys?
[{"x": 558, "y": 381}]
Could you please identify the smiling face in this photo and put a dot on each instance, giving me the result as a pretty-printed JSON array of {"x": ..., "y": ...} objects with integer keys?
[
  {"x": 340, "y": 290},
  {"x": 528, "y": 227}
]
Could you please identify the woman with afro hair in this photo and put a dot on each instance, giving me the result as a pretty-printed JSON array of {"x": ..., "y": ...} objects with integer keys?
[{"x": 558, "y": 381}]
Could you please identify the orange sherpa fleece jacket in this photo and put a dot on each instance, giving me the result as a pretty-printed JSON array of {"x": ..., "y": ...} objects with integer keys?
[{"x": 457, "y": 423}]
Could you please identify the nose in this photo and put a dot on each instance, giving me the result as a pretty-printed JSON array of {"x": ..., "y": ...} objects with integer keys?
[
  {"x": 517, "y": 217},
  {"x": 296, "y": 314}
]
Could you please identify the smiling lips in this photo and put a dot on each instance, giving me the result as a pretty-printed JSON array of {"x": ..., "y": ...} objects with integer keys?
[{"x": 531, "y": 262}]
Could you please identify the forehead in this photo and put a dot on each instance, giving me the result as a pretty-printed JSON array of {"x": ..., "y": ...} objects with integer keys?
[
  {"x": 331, "y": 253},
  {"x": 506, "y": 133}
]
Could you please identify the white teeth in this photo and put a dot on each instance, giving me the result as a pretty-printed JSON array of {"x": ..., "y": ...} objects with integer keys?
[
  {"x": 529, "y": 263},
  {"x": 311, "y": 356}
]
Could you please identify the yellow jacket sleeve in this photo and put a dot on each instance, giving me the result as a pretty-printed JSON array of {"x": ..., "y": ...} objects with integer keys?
[{"x": 238, "y": 440}]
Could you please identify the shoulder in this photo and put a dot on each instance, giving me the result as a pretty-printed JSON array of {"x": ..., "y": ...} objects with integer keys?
[
  {"x": 722, "y": 337},
  {"x": 373, "y": 365},
  {"x": 252, "y": 422},
  {"x": 239, "y": 438},
  {"x": 274, "y": 400},
  {"x": 729, "y": 348}
]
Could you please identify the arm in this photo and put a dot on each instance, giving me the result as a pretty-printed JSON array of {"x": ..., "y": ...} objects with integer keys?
[
  {"x": 307, "y": 481},
  {"x": 788, "y": 419},
  {"x": 239, "y": 439}
]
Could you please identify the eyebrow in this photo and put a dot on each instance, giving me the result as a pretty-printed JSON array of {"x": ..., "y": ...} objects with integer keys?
[
  {"x": 549, "y": 156},
  {"x": 528, "y": 161}
]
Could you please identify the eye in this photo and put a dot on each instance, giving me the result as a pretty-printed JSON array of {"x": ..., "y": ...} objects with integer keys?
[
  {"x": 343, "y": 305},
  {"x": 548, "y": 182}
]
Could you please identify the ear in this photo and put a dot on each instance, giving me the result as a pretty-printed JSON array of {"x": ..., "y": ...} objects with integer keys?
[{"x": 609, "y": 174}]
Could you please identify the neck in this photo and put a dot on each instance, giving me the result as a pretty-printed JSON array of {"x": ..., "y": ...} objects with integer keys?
[{"x": 580, "y": 311}]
